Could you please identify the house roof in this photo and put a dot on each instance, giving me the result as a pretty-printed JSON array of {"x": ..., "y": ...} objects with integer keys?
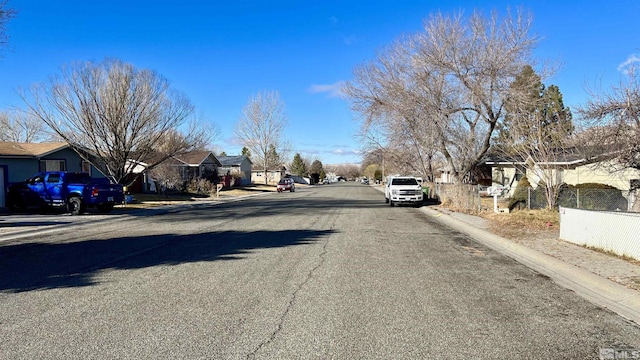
[
  {"x": 233, "y": 160},
  {"x": 14, "y": 149},
  {"x": 563, "y": 156},
  {"x": 194, "y": 158}
]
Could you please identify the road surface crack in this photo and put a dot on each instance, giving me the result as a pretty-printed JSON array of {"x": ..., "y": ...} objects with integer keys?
[{"x": 293, "y": 299}]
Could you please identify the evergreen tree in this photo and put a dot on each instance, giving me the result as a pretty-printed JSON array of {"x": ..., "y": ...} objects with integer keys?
[
  {"x": 536, "y": 115},
  {"x": 537, "y": 129},
  {"x": 316, "y": 171},
  {"x": 246, "y": 152},
  {"x": 297, "y": 166},
  {"x": 273, "y": 160}
]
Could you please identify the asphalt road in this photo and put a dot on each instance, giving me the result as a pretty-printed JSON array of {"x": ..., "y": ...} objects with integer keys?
[{"x": 327, "y": 272}]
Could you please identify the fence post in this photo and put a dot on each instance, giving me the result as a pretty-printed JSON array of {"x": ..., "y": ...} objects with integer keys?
[
  {"x": 529, "y": 198},
  {"x": 578, "y": 198}
]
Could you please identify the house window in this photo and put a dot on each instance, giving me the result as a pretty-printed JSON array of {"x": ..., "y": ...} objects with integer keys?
[
  {"x": 86, "y": 167},
  {"x": 53, "y": 165}
]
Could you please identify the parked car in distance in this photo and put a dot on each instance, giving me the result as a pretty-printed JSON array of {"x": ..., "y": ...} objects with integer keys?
[
  {"x": 286, "y": 184},
  {"x": 365, "y": 181}
]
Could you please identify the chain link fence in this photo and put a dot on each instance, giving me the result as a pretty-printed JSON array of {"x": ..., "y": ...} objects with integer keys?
[
  {"x": 588, "y": 199},
  {"x": 469, "y": 198}
]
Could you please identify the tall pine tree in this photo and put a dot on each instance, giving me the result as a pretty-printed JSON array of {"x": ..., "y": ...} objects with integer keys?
[
  {"x": 536, "y": 131},
  {"x": 535, "y": 114},
  {"x": 246, "y": 152},
  {"x": 298, "y": 166}
]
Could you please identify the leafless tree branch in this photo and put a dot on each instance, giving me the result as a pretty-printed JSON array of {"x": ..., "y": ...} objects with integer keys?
[
  {"x": 116, "y": 116},
  {"x": 261, "y": 130}
]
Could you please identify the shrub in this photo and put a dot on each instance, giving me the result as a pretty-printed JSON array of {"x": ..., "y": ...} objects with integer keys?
[
  {"x": 592, "y": 186},
  {"x": 595, "y": 196},
  {"x": 520, "y": 195},
  {"x": 201, "y": 187}
]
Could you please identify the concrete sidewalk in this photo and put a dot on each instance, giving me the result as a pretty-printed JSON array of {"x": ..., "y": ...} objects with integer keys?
[{"x": 592, "y": 275}]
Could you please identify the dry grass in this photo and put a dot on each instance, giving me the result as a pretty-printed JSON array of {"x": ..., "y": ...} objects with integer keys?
[
  {"x": 524, "y": 223},
  {"x": 247, "y": 190},
  {"x": 626, "y": 258},
  {"x": 152, "y": 200}
]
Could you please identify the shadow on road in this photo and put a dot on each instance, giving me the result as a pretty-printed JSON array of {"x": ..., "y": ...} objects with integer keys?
[
  {"x": 296, "y": 203},
  {"x": 31, "y": 223},
  {"x": 37, "y": 266}
]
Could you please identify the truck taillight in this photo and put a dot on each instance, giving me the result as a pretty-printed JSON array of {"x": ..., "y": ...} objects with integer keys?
[{"x": 94, "y": 192}]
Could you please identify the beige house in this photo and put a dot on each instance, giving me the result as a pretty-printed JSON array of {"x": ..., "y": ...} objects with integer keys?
[
  {"x": 507, "y": 174},
  {"x": 573, "y": 170},
  {"x": 272, "y": 176}
]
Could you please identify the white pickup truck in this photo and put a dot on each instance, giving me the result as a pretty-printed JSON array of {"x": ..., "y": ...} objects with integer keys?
[{"x": 403, "y": 190}]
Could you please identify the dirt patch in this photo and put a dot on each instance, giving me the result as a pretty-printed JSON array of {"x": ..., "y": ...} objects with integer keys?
[
  {"x": 247, "y": 190},
  {"x": 141, "y": 201}
]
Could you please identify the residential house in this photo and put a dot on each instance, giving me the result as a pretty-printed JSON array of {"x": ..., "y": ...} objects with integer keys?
[
  {"x": 236, "y": 165},
  {"x": 19, "y": 161},
  {"x": 191, "y": 165},
  {"x": 571, "y": 168},
  {"x": 198, "y": 164},
  {"x": 272, "y": 176}
]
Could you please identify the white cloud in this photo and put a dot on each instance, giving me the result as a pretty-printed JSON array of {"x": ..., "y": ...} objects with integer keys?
[
  {"x": 332, "y": 90},
  {"x": 629, "y": 64},
  {"x": 342, "y": 152},
  {"x": 349, "y": 40}
]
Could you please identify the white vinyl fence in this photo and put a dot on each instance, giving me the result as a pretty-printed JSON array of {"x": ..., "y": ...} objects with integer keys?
[{"x": 618, "y": 232}]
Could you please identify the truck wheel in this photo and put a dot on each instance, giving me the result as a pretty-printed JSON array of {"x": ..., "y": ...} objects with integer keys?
[
  {"x": 390, "y": 202},
  {"x": 74, "y": 206},
  {"x": 105, "y": 208}
]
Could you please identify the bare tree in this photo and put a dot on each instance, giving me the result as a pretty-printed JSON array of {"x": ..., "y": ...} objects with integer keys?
[
  {"x": 371, "y": 171},
  {"x": 167, "y": 176},
  {"x": 613, "y": 119},
  {"x": 443, "y": 89},
  {"x": 261, "y": 127},
  {"x": 19, "y": 126},
  {"x": 116, "y": 116},
  {"x": 348, "y": 171},
  {"x": 5, "y": 14}
]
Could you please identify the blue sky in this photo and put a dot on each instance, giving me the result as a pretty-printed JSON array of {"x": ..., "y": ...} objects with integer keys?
[{"x": 219, "y": 53}]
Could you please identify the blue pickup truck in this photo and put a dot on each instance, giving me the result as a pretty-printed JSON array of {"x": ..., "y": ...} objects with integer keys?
[{"x": 73, "y": 192}]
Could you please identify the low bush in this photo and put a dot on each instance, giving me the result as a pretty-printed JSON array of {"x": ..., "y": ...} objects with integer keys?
[{"x": 201, "y": 187}]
